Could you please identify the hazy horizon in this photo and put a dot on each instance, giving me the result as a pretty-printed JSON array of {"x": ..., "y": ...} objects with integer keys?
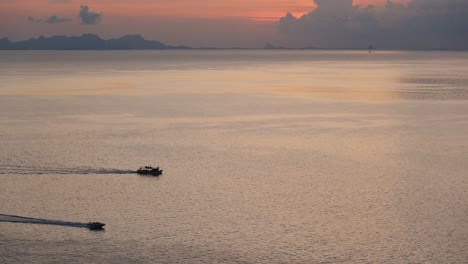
[{"x": 267, "y": 45}]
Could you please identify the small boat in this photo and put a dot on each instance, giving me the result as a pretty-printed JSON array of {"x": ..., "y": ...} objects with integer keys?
[
  {"x": 95, "y": 225},
  {"x": 148, "y": 170}
]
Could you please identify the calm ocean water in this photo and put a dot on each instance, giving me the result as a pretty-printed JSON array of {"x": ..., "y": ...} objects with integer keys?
[{"x": 268, "y": 156}]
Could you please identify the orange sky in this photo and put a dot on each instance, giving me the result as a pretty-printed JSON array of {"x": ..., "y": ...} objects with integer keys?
[{"x": 188, "y": 9}]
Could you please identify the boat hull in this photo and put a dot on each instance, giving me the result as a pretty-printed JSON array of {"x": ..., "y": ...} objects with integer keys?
[
  {"x": 150, "y": 173},
  {"x": 95, "y": 226}
]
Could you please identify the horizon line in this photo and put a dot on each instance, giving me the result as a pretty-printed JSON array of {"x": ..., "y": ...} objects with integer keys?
[{"x": 267, "y": 46}]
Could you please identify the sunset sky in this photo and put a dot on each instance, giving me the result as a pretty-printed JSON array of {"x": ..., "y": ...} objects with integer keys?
[{"x": 235, "y": 23}]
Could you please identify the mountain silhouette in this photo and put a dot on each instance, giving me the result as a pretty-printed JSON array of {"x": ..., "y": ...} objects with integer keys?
[
  {"x": 5, "y": 43},
  {"x": 271, "y": 46},
  {"x": 86, "y": 42}
]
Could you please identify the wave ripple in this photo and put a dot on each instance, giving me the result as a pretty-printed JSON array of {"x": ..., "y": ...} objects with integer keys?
[
  {"x": 30, "y": 170},
  {"x": 30, "y": 220}
]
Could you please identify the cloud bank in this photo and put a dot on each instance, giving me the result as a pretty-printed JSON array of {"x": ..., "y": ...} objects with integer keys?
[
  {"x": 50, "y": 20},
  {"x": 89, "y": 18},
  {"x": 420, "y": 24}
]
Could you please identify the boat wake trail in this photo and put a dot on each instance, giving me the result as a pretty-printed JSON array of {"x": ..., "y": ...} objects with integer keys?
[
  {"x": 29, "y": 170},
  {"x": 29, "y": 220}
]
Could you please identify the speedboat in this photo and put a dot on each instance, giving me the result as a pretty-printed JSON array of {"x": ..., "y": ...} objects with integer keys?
[
  {"x": 95, "y": 225},
  {"x": 148, "y": 170}
]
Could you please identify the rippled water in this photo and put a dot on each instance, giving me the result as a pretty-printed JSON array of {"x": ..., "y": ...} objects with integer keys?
[{"x": 268, "y": 157}]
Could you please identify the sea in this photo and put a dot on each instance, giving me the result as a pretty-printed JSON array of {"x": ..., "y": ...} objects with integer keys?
[{"x": 269, "y": 156}]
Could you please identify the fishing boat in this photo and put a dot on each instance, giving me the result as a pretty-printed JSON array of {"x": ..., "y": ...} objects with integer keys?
[
  {"x": 148, "y": 170},
  {"x": 95, "y": 225}
]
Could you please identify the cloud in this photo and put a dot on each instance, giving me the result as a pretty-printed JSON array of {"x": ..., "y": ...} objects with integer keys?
[
  {"x": 418, "y": 24},
  {"x": 56, "y": 19},
  {"x": 439, "y": 4},
  {"x": 335, "y": 8},
  {"x": 50, "y": 20},
  {"x": 286, "y": 23},
  {"x": 89, "y": 18},
  {"x": 33, "y": 20}
]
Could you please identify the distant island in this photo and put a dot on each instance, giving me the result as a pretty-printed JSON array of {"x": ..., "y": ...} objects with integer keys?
[
  {"x": 270, "y": 46},
  {"x": 87, "y": 42},
  {"x": 135, "y": 42}
]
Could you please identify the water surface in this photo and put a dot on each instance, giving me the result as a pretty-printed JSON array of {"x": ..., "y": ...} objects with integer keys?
[{"x": 268, "y": 156}]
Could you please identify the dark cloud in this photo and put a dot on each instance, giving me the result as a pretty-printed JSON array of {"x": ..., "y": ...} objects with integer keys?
[
  {"x": 439, "y": 4},
  {"x": 335, "y": 8},
  {"x": 286, "y": 22},
  {"x": 419, "y": 24},
  {"x": 33, "y": 20},
  {"x": 50, "y": 20},
  {"x": 89, "y": 18},
  {"x": 56, "y": 19}
]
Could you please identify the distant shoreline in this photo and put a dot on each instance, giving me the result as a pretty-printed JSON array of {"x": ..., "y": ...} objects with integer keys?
[
  {"x": 92, "y": 42},
  {"x": 87, "y": 42},
  {"x": 242, "y": 49}
]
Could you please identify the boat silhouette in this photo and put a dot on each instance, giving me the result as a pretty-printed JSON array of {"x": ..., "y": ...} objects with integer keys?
[
  {"x": 148, "y": 170},
  {"x": 95, "y": 226}
]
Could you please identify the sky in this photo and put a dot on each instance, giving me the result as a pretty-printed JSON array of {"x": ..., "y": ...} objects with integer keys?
[{"x": 401, "y": 24}]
